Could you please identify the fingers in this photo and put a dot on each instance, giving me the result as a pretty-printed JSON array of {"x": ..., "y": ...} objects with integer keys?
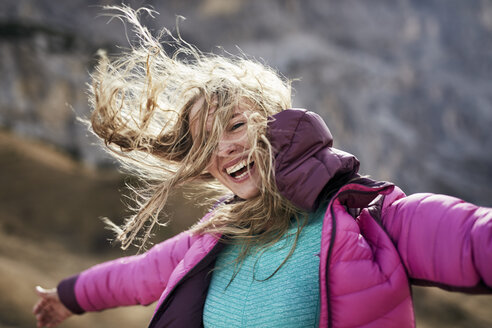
[
  {"x": 42, "y": 312},
  {"x": 40, "y": 305},
  {"x": 44, "y": 294},
  {"x": 48, "y": 310},
  {"x": 48, "y": 315}
]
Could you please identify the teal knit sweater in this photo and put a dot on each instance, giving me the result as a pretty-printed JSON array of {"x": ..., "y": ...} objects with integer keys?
[{"x": 288, "y": 299}]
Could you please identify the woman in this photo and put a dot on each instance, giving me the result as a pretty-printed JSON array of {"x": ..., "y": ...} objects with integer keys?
[{"x": 302, "y": 241}]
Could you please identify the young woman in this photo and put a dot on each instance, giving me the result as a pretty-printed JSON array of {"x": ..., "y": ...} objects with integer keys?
[{"x": 297, "y": 237}]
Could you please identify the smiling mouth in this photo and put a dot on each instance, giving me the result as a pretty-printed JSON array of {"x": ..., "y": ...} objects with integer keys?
[{"x": 240, "y": 170}]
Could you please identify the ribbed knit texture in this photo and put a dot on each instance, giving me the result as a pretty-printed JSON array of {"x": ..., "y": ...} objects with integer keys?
[{"x": 288, "y": 299}]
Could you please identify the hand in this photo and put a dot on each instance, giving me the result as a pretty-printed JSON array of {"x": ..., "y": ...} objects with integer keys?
[{"x": 49, "y": 310}]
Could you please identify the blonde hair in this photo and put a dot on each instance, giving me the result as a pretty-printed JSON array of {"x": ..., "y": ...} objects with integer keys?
[{"x": 141, "y": 101}]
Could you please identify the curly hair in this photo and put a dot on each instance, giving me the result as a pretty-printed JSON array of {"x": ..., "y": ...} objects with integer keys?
[{"x": 141, "y": 101}]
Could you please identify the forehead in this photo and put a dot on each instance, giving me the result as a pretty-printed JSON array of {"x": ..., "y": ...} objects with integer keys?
[
  {"x": 197, "y": 106},
  {"x": 194, "y": 116}
]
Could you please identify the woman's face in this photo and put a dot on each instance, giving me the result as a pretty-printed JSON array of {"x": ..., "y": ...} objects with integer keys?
[{"x": 229, "y": 163}]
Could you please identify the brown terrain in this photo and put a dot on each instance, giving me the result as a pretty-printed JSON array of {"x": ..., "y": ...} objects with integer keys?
[
  {"x": 404, "y": 85},
  {"x": 49, "y": 229}
]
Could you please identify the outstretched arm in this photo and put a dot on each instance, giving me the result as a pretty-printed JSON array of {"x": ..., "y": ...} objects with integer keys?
[
  {"x": 132, "y": 280},
  {"x": 443, "y": 241}
]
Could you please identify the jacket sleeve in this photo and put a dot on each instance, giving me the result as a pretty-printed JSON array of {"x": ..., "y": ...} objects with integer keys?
[
  {"x": 443, "y": 241},
  {"x": 132, "y": 280}
]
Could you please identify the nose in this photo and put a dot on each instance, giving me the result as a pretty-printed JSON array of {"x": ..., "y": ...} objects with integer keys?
[{"x": 227, "y": 146}]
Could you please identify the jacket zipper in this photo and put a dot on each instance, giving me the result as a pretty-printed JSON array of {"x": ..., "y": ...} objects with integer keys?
[
  {"x": 165, "y": 302},
  {"x": 332, "y": 241},
  {"x": 330, "y": 249}
]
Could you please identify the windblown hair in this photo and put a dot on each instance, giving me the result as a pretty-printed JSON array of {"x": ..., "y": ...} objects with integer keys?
[{"x": 141, "y": 102}]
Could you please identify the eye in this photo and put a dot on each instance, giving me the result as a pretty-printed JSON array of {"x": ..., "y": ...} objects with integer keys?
[{"x": 236, "y": 126}]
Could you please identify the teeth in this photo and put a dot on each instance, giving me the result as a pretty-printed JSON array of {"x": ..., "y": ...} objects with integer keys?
[
  {"x": 241, "y": 175},
  {"x": 237, "y": 167}
]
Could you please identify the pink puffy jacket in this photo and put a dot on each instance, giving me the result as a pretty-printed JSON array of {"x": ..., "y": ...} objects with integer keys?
[{"x": 375, "y": 242}]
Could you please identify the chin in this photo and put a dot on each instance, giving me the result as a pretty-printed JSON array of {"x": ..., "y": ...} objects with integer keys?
[{"x": 248, "y": 194}]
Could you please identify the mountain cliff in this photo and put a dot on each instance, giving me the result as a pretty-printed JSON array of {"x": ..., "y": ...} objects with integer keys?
[{"x": 404, "y": 85}]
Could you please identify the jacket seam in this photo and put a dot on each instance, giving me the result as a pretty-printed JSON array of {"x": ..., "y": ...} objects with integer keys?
[
  {"x": 390, "y": 310},
  {"x": 387, "y": 279}
]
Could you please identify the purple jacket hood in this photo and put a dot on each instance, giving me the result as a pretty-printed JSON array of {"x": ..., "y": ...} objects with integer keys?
[{"x": 306, "y": 164}]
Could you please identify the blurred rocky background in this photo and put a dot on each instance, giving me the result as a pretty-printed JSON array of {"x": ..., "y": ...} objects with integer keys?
[{"x": 405, "y": 85}]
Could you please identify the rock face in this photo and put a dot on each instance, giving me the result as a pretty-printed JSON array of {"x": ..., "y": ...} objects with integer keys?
[{"x": 404, "y": 85}]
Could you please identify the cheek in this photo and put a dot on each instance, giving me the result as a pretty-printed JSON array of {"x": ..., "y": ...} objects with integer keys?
[{"x": 213, "y": 167}]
